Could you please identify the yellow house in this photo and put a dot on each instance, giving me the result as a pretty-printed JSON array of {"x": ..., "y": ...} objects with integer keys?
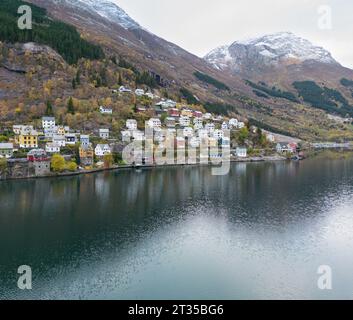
[
  {"x": 27, "y": 139},
  {"x": 61, "y": 131},
  {"x": 187, "y": 113}
]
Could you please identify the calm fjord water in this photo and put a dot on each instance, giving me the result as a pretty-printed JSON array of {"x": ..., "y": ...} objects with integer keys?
[{"x": 261, "y": 231}]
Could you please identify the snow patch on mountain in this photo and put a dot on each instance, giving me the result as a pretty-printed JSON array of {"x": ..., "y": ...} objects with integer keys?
[
  {"x": 268, "y": 50},
  {"x": 106, "y": 9}
]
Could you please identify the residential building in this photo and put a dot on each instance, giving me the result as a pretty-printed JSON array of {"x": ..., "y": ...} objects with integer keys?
[
  {"x": 61, "y": 130},
  {"x": 180, "y": 142},
  {"x": 225, "y": 126},
  {"x": 184, "y": 121},
  {"x": 59, "y": 140},
  {"x": 37, "y": 155},
  {"x": 233, "y": 123},
  {"x": 141, "y": 109},
  {"x": 187, "y": 113},
  {"x": 207, "y": 116},
  {"x": 84, "y": 139},
  {"x": 126, "y": 135},
  {"x": 174, "y": 112},
  {"x": 6, "y": 150},
  {"x": 105, "y": 110},
  {"x": 104, "y": 133},
  {"x": 210, "y": 127},
  {"x": 270, "y": 137},
  {"x": 138, "y": 135},
  {"x": 241, "y": 152},
  {"x": 51, "y": 147},
  {"x": 122, "y": 89},
  {"x": 17, "y": 129},
  {"x": 149, "y": 95},
  {"x": 170, "y": 122},
  {"x": 283, "y": 147},
  {"x": 139, "y": 92},
  {"x": 70, "y": 138},
  {"x": 28, "y": 139},
  {"x": 154, "y": 123},
  {"x": 188, "y": 132},
  {"x": 225, "y": 142},
  {"x": 102, "y": 149},
  {"x": 241, "y": 125},
  {"x": 198, "y": 123},
  {"x": 131, "y": 124},
  {"x": 202, "y": 133},
  {"x": 194, "y": 142},
  {"x": 48, "y": 123},
  {"x": 197, "y": 114},
  {"x": 218, "y": 134},
  {"x": 86, "y": 155}
]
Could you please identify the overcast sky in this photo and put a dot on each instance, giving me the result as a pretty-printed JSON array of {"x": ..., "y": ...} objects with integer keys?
[{"x": 201, "y": 25}]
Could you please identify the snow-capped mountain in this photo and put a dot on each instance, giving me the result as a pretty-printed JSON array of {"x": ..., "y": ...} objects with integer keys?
[
  {"x": 104, "y": 8},
  {"x": 282, "y": 48}
]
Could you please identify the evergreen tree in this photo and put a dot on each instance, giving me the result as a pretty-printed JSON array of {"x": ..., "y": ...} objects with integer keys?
[
  {"x": 120, "y": 81},
  {"x": 70, "y": 106},
  {"x": 49, "y": 111},
  {"x": 73, "y": 84},
  {"x": 78, "y": 77}
]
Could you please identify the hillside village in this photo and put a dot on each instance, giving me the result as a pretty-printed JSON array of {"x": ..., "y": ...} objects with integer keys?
[{"x": 57, "y": 148}]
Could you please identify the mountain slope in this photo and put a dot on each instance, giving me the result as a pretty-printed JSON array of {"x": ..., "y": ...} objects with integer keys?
[
  {"x": 281, "y": 60},
  {"x": 106, "y": 25},
  {"x": 273, "y": 50}
]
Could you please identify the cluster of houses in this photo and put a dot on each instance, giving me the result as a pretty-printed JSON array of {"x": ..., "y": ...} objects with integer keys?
[
  {"x": 138, "y": 92},
  {"x": 54, "y": 137},
  {"x": 195, "y": 125}
]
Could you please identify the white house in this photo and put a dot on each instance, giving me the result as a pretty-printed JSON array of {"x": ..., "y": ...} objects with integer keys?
[
  {"x": 207, "y": 116},
  {"x": 105, "y": 110},
  {"x": 126, "y": 136},
  {"x": 218, "y": 134},
  {"x": 184, "y": 121},
  {"x": 233, "y": 123},
  {"x": 283, "y": 147},
  {"x": 48, "y": 123},
  {"x": 139, "y": 92},
  {"x": 122, "y": 89},
  {"x": 270, "y": 137},
  {"x": 59, "y": 140},
  {"x": 194, "y": 142},
  {"x": 198, "y": 123},
  {"x": 241, "y": 152},
  {"x": 188, "y": 132},
  {"x": 6, "y": 150},
  {"x": 131, "y": 124},
  {"x": 52, "y": 148},
  {"x": 241, "y": 125},
  {"x": 104, "y": 133},
  {"x": 154, "y": 123},
  {"x": 149, "y": 95},
  {"x": 210, "y": 127},
  {"x": 102, "y": 149},
  {"x": 170, "y": 122},
  {"x": 138, "y": 135},
  {"x": 202, "y": 133},
  {"x": 225, "y": 142},
  {"x": 225, "y": 126}
]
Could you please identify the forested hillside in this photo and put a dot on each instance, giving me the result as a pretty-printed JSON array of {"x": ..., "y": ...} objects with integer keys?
[{"x": 62, "y": 37}]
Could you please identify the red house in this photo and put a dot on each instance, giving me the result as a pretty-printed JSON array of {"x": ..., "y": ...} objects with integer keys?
[
  {"x": 197, "y": 114},
  {"x": 174, "y": 112},
  {"x": 37, "y": 155}
]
